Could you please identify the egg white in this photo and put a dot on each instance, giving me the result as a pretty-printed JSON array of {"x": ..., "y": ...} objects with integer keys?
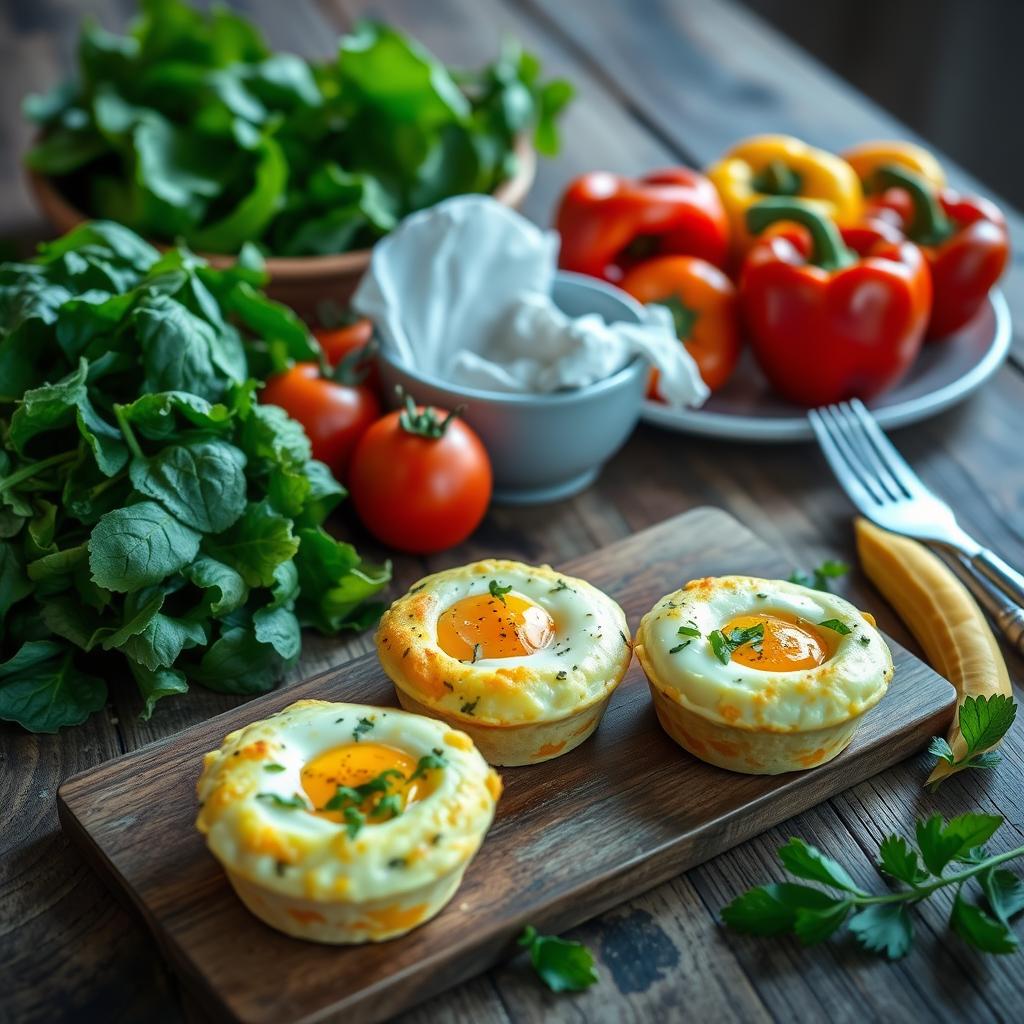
[
  {"x": 295, "y": 853},
  {"x": 846, "y": 684},
  {"x": 585, "y": 661}
]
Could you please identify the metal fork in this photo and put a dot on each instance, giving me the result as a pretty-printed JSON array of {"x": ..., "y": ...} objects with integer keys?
[{"x": 887, "y": 491}]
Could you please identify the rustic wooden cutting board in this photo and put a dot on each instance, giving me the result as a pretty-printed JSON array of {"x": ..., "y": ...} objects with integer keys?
[{"x": 572, "y": 837}]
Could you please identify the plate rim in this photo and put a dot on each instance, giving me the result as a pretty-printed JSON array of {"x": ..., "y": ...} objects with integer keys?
[{"x": 732, "y": 427}]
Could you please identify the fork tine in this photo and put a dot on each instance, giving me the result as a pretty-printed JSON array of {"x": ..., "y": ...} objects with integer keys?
[
  {"x": 855, "y": 459},
  {"x": 846, "y": 476},
  {"x": 895, "y": 462},
  {"x": 857, "y": 437}
]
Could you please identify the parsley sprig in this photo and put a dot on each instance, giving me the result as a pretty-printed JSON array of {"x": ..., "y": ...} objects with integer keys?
[
  {"x": 723, "y": 645},
  {"x": 983, "y": 723},
  {"x": 882, "y": 923},
  {"x": 563, "y": 965},
  {"x": 498, "y": 591},
  {"x": 818, "y": 578}
]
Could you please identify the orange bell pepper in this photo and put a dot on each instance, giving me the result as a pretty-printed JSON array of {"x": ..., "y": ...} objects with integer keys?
[{"x": 704, "y": 307}]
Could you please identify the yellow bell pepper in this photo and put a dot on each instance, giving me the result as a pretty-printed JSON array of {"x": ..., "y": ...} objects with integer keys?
[
  {"x": 780, "y": 165},
  {"x": 866, "y": 158}
]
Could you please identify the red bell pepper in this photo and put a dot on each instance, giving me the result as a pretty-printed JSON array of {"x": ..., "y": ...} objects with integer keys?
[
  {"x": 609, "y": 223},
  {"x": 964, "y": 239},
  {"x": 831, "y": 314}
]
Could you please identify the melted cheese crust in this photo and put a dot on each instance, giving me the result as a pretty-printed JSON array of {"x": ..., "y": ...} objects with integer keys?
[
  {"x": 586, "y": 661},
  {"x": 295, "y": 853},
  {"x": 849, "y": 682}
]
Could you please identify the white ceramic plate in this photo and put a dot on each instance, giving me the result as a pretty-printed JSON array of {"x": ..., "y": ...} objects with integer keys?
[{"x": 945, "y": 373}]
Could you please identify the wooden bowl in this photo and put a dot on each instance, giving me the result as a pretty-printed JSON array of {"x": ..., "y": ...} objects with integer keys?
[{"x": 298, "y": 281}]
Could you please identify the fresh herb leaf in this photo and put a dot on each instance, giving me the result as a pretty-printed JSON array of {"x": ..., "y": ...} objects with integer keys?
[
  {"x": 808, "y": 862},
  {"x": 498, "y": 591},
  {"x": 980, "y": 930},
  {"x": 560, "y": 585},
  {"x": 428, "y": 763},
  {"x": 680, "y": 647},
  {"x": 274, "y": 768},
  {"x": 723, "y": 646},
  {"x": 983, "y": 721},
  {"x": 882, "y": 923},
  {"x": 884, "y": 928},
  {"x": 818, "y": 578},
  {"x": 563, "y": 965},
  {"x": 690, "y": 630},
  {"x": 295, "y": 802},
  {"x": 836, "y": 626},
  {"x": 354, "y": 821},
  {"x": 363, "y": 726}
]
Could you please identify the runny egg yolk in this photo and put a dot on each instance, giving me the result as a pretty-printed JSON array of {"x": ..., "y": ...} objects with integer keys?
[
  {"x": 787, "y": 645},
  {"x": 353, "y": 765},
  {"x": 484, "y": 626}
]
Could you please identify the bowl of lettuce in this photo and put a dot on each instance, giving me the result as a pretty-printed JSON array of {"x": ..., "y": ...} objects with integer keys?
[
  {"x": 159, "y": 527},
  {"x": 189, "y": 128}
]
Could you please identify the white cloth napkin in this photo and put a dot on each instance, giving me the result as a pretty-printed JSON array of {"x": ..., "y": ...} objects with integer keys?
[{"x": 462, "y": 291}]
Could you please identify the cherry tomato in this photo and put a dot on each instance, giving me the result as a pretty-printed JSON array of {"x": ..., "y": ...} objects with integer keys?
[
  {"x": 420, "y": 480},
  {"x": 704, "y": 307},
  {"x": 335, "y": 416},
  {"x": 344, "y": 342}
]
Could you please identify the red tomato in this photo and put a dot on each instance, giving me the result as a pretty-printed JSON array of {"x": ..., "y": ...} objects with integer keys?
[
  {"x": 420, "y": 482},
  {"x": 341, "y": 343},
  {"x": 334, "y": 415}
]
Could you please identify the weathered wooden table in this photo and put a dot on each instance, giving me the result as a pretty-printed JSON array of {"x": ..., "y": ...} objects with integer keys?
[{"x": 658, "y": 83}]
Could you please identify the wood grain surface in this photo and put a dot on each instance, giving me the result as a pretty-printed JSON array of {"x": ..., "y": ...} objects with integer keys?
[
  {"x": 572, "y": 837},
  {"x": 658, "y": 82}
]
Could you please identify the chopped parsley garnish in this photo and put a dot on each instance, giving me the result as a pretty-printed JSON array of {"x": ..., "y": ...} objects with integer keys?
[
  {"x": 562, "y": 675},
  {"x": 354, "y": 820},
  {"x": 273, "y": 768},
  {"x": 397, "y": 862},
  {"x": 690, "y": 630},
  {"x": 679, "y": 647},
  {"x": 830, "y": 569},
  {"x": 290, "y": 802},
  {"x": 476, "y": 654},
  {"x": 562, "y": 965},
  {"x": 763, "y": 596},
  {"x": 836, "y": 626},
  {"x": 469, "y": 707},
  {"x": 498, "y": 591},
  {"x": 362, "y": 728},
  {"x": 427, "y": 763},
  {"x": 351, "y": 798},
  {"x": 865, "y": 640},
  {"x": 561, "y": 585},
  {"x": 723, "y": 645}
]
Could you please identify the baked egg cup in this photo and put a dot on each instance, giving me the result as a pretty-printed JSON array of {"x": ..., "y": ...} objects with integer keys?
[
  {"x": 761, "y": 676},
  {"x": 345, "y": 823},
  {"x": 522, "y": 658}
]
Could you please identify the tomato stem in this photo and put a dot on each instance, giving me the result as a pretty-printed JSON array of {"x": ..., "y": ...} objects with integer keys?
[{"x": 424, "y": 422}]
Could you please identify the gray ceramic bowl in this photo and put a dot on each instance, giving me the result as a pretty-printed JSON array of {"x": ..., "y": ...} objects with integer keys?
[{"x": 546, "y": 447}]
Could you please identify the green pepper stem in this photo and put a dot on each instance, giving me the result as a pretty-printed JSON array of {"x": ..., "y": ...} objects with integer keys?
[
  {"x": 827, "y": 247},
  {"x": 778, "y": 179},
  {"x": 930, "y": 225}
]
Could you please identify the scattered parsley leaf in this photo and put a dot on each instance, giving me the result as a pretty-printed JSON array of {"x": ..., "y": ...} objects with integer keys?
[
  {"x": 428, "y": 763},
  {"x": 498, "y": 591},
  {"x": 689, "y": 630},
  {"x": 979, "y": 929},
  {"x": 983, "y": 721},
  {"x": 289, "y": 802},
  {"x": 563, "y": 966},
  {"x": 808, "y": 862},
  {"x": 884, "y": 928},
  {"x": 680, "y": 647},
  {"x": 354, "y": 821},
  {"x": 560, "y": 585},
  {"x": 836, "y": 626},
  {"x": 274, "y": 768},
  {"x": 723, "y": 645},
  {"x": 1004, "y": 892},
  {"x": 469, "y": 707},
  {"x": 363, "y": 726},
  {"x": 882, "y": 923},
  {"x": 818, "y": 578}
]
